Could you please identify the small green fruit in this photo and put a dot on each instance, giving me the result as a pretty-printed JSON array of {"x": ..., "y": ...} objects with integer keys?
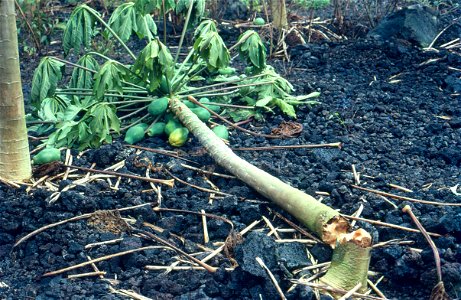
[
  {"x": 135, "y": 133},
  {"x": 189, "y": 104},
  {"x": 178, "y": 137},
  {"x": 164, "y": 86},
  {"x": 215, "y": 108},
  {"x": 259, "y": 21},
  {"x": 158, "y": 106},
  {"x": 156, "y": 129},
  {"x": 47, "y": 155},
  {"x": 203, "y": 114},
  {"x": 171, "y": 126},
  {"x": 221, "y": 131}
]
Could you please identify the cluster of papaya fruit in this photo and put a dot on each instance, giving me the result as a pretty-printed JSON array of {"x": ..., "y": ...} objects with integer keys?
[{"x": 167, "y": 124}]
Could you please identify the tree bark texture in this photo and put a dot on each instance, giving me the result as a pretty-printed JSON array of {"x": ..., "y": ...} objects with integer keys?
[
  {"x": 279, "y": 14},
  {"x": 14, "y": 145}
]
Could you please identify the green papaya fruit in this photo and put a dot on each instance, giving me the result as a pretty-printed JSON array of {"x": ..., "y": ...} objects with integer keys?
[
  {"x": 156, "y": 129},
  {"x": 178, "y": 137},
  {"x": 221, "y": 131},
  {"x": 171, "y": 125},
  {"x": 189, "y": 104},
  {"x": 259, "y": 21},
  {"x": 203, "y": 114},
  {"x": 164, "y": 86},
  {"x": 46, "y": 155},
  {"x": 136, "y": 133},
  {"x": 215, "y": 108},
  {"x": 158, "y": 106}
]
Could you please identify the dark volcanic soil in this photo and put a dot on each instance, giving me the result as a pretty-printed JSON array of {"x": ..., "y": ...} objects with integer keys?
[{"x": 397, "y": 111}]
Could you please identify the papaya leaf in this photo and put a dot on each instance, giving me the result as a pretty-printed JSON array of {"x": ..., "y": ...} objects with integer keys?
[
  {"x": 249, "y": 101},
  {"x": 82, "y": 78},
  {"x": 204, "y": 27},
  {"x": 149, "y": 6},
  {"x": 198, "y": 9},
  {"x": 79, "y": 29},
  {"x": 103, "y": 120},
  {"x": 46, "y": 77},
  {"x": 85, "y": 136},
  {"x": 153, "y": 62},
  {"x": 241, "y": 114},
  {"x": 211, "y": 48},
  {"x": 252, "y": 49},
  {"x": 130, "y": 18},
  {"x": 65, "y": 135},
  {"x": 271, "y": 90},
  {"x": 70, "y": 113},
  {"x": 145, "y": 26},
  {"x": 51, "y": 107},
  {"x": 286, "y": 108},
  {"x": 264, "y": 101},
  {"x": 109, "y": 77},
  {"x": 123, "y": 21}
]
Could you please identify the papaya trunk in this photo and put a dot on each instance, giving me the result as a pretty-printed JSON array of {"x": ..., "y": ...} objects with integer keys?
[
  {"x": 324, "y": 221},
  {"x": 279, "y": 14},
  {"x": 14, "y": 146}
]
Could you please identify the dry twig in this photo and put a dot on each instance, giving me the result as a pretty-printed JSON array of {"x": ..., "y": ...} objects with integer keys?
[
  {"x": 195, "y": 186},
  {"x": 148, "y": 235},
  {"x": 272, "y": 277},
  {"x": 106, "y": 257},
  {"x": 168, "y": 182},
  {"x": 405, "y": 198},
  {"x": 335, "y": 291},
  {"x": 379, "y": 223},
  {"x": 438, "y": 292}
]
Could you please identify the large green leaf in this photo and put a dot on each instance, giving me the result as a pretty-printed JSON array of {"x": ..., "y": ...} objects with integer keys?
[
  {"x": 123, "y": 21},
  {"x": 198, "y": 9},
  {"x": 211, "y": 48},
  {"x": 71, "y": 112},
  {"x": 46, "y": 77},
  {"x": 91, "y": 130},
  {"x": 66, "y": 134},
  {"x": 51, "y": 107},
  {"x": 150, "y": 6},
  {"x": 286, "y": 108},
  {"x": 81, "y": 77},
  {"x": 79, "y": 29},
  {"x": 129, "y": 18},
  {"x": 84, "y": 135},
  {"x": 153, "y": 62},
  {"x": 109, "y": 77},
  {"x": 252, "y": 49},
  {"x": 103, "y": 119},
  {"x": 145, "y": 26},
  {"x": 204, "y": 27},
  {"x": 271, "y": 90}
]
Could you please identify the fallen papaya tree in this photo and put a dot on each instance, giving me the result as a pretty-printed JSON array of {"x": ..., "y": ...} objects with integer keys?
[
  {"x": 351, "y": 254},
  {"x": 100, "y": 99}
]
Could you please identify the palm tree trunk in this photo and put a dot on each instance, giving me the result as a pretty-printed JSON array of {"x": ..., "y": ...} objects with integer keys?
[{"x": 14, "y": 146}]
